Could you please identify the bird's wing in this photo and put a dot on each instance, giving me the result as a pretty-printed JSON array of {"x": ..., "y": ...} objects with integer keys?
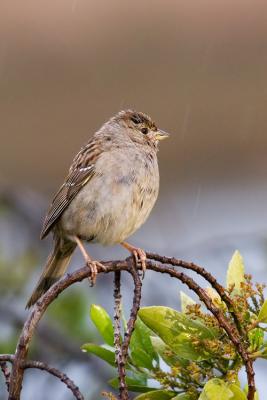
[{"x": 81, "y": 171}]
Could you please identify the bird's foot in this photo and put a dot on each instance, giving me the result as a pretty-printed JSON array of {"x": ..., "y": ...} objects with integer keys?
[
  {"x": 139, "y": 256},
  {"x": 94, "y": 265}
]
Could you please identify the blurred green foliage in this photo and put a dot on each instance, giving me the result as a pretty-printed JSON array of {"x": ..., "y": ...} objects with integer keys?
[{"x": 69, "y": 312}]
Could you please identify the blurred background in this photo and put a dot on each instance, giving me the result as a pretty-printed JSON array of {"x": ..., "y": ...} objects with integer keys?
[{"x": 199, "y": 68}]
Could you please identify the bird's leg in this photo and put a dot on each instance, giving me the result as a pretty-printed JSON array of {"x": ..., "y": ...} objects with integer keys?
[
  {"x": 139, "y": 255},
  {"x": 89, "y": 262}
]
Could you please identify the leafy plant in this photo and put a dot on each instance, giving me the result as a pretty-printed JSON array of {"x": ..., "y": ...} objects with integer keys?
[{"x": 187, "y": 355}]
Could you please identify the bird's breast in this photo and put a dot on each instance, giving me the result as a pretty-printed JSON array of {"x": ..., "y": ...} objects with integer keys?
[{"x": 116, "y": 201}]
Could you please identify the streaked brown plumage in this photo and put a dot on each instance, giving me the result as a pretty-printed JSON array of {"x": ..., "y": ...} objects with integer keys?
[{"x": 109, "y": 192}]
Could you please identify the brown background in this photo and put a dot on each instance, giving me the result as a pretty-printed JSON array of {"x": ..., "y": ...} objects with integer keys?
[{"x": 198, "y": 67}]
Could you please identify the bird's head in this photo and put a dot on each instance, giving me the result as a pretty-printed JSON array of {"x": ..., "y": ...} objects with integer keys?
[{"x": 140, "y": 128}]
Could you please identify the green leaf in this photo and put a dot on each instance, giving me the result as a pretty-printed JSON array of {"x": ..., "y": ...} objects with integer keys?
[
  {"x": 182, "y": 396},
  {"x": 238, "y": 394},
  {"x": 263, "y": 352},
  {"x": 216, "y": 389},
  {"x": 139, "y": 377},
  {"x": 100, "y": 352},
  {"x": 235, "y": 272},
  {"x": 142, "y": 351},
  {"x": 166, "y": 353},
  {"x": 185, "y": 301},
  {"x": 156, "y": 395},
  {"x": 133, "y": 385},
  {"x": 262, "y": 317},
  {"x": 103, "y": 323},
  {"x": 256, "y": 338},
  {"x": 178, "y": 331}
]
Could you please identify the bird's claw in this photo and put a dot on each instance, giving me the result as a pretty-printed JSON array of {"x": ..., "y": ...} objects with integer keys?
[
  {"x": 94, "y": 265},
  {"x": 140, "y": 258}
]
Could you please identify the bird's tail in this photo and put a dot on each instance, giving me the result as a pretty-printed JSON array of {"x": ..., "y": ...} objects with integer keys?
[{"x": 55, "y": 267}]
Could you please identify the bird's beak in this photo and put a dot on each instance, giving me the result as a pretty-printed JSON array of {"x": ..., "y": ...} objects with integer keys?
[{"x": 161, "y": 135}]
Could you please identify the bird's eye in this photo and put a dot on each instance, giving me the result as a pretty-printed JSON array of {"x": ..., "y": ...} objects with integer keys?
[{"x": 144, "y": 131}]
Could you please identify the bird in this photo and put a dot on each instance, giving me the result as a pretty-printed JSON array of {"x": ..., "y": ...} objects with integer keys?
[{"x": 109, "y": 192}]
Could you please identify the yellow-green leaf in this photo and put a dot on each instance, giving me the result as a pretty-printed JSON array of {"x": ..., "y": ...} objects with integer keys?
[
  {"x": 183, "y": 396},
  {"x": 262, "y": 317},
  {"x": 178, "y": 331},
  {"x": 216, "y": 389},
  {"x": 212, "y": 293},
  {"x": 166, "y": 353},
  {"x": 235, "y": 272},
  {"x": 185, "y": 301},
  {"x": 238, "y": 394},
  {"x": 256, "y": 338}
]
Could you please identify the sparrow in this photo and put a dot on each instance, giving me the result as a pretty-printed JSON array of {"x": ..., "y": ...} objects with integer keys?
[{"x": 109, "y": 192}]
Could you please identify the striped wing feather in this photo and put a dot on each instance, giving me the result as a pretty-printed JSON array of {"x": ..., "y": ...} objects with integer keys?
[{"x": 81, "y": 171}]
